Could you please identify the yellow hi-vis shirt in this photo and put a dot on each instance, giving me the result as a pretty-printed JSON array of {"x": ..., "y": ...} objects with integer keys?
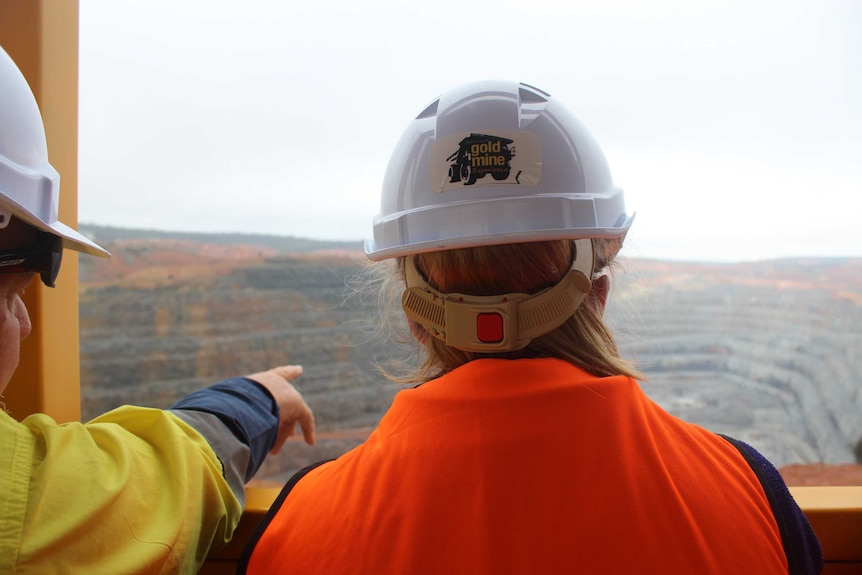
[{"x": 136, "y": 490}]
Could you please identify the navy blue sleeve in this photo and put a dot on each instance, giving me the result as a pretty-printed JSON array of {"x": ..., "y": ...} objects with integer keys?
[
  {"x": 246, "y": 408},
  {"x": 801, "y": 545}
]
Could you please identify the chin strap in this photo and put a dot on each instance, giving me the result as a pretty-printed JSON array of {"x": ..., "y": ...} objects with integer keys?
[{"x": 505, "y": 322}]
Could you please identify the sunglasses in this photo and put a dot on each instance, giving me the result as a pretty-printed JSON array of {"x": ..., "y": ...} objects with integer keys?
[{"x": 42, "y": 257}]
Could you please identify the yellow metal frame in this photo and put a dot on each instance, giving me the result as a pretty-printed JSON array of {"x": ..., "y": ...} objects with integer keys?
[
  {"x": 835, "y": 514},
  {"x": 42, "y": 37}
]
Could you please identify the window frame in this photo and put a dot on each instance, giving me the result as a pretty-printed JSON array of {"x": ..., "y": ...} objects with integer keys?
[{"x": 42, "y": 37}]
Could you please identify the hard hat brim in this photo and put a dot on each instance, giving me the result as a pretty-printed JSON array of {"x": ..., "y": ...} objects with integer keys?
[
  {"x": 72, "y": 239},
  {"x": 444, "y": 227}
]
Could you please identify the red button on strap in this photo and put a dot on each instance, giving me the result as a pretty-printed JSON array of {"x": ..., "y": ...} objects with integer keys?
[{"x": 489, "y": 327}]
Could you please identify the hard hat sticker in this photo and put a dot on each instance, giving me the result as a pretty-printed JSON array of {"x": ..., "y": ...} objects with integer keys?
[{"x": 471, "y": 159}]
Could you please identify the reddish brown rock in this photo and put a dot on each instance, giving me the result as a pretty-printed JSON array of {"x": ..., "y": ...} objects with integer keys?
[{"x": 821, "y": 474}]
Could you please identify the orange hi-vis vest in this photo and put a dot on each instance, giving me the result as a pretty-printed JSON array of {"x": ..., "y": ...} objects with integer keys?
[{"x": 528, "y": 466}]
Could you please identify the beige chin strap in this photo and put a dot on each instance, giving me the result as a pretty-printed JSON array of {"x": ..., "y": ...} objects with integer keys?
[{"x": 495, "y": 323}]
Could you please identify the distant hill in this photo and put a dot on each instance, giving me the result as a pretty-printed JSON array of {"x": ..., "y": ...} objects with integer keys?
[{"x": 280, "y": 243}]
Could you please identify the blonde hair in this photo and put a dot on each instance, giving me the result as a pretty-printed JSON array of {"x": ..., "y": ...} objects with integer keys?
[{"x": 583, "y": 340}]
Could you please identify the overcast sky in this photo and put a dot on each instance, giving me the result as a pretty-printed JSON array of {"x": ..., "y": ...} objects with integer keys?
[{"x": 735, "y": 127}]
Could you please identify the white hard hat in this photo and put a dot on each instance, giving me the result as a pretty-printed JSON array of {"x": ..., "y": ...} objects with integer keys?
[
  {"x": 491, "y": 163},
  {"x": 29, "y": 185}
]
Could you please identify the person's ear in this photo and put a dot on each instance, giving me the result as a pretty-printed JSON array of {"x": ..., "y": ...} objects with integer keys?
[
  {"x": 417, "y": 331},
  {"x": 599, "y": 290}
]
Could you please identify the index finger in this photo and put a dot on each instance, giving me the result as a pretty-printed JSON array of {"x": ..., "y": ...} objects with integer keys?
[
  {"x": 288, "y": 372},
  {"x": 306, "y": 422}
]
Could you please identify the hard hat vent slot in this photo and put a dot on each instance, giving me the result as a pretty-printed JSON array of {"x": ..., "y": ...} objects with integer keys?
[
  {"x": 430, "y": 111},
  {"x": 531, "y": 94},
  {"x": 533, "y": 103}
]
